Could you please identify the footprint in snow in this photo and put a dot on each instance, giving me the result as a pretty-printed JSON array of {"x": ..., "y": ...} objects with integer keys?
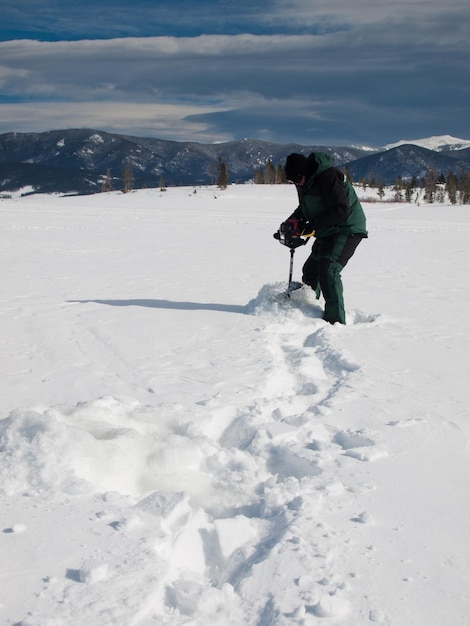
[
  {"x": 361, "y": 317},
  {"x": 349, "y": 440},
  {"x": 358, "y": 446}
]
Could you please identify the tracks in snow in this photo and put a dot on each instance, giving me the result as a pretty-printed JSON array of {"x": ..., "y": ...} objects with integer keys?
[{"x": 236, "y": 501}]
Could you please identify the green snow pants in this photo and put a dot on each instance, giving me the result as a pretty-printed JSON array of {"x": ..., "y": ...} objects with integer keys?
[{"x": 322, "y": 271}]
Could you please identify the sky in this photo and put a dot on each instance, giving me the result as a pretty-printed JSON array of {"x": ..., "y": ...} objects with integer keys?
[{"x": 313, "y": 72}]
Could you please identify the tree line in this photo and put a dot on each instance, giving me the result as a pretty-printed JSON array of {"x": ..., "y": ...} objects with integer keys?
[
  {"x": 433, "y": 187},
  {"x": 270, "y": 175},
  {"x": 219, "y": 176}
]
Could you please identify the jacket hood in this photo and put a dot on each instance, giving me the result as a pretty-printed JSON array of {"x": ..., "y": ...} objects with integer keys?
[{"x": 320, "y": 162}]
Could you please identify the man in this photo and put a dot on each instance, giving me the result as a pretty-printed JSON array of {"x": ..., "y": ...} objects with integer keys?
[{"x": 330, "y": 210}]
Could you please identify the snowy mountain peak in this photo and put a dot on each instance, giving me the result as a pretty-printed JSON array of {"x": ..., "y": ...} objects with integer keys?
[{"x": 438, "y": 143}]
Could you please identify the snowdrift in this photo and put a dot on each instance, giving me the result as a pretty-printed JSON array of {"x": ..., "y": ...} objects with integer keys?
[{"x": 180, "y": 444}]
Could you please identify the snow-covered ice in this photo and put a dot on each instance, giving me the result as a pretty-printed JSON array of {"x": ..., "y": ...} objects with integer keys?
[{"x": 179, "y": 445}]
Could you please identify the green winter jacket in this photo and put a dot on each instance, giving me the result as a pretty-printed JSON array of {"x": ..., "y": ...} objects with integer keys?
[{"x": 328, "y": 202}]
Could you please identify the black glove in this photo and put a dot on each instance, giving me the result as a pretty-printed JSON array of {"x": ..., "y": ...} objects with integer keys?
[
  {"x": 289, "y": 234},
  {"x": 292, "y": 227}
]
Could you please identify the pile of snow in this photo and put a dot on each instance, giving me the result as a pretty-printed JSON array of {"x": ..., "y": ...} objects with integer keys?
[{"x": 180, "y": 444}]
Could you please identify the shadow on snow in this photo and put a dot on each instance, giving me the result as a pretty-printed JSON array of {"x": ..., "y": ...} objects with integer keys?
[{"x": 169, "y": 304}]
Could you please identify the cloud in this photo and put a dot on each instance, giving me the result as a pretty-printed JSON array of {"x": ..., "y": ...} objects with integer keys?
[
  {"x": 173, "y": 122},
  {"x": 156, "y": 69},
  {"x": 340, "y": 71},
  {"x": 43, "y": 19},
  {"x": 207, "y": 66},
  {"x": 47, "y": 19}
]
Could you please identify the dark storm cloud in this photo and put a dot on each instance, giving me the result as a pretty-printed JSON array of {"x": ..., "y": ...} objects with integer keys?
[{"x": 334, "y": 71}]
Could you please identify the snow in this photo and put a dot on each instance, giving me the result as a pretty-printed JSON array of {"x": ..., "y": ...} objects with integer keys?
[
  {"x": 179, "y": 445},
  {"x": 434, "y": 143}
]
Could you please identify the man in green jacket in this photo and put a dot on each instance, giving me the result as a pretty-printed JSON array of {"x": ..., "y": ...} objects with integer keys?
[{"x": 330, "y": 210}]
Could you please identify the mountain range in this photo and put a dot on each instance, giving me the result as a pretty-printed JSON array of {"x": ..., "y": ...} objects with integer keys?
[{"x": 78, "y": 161}]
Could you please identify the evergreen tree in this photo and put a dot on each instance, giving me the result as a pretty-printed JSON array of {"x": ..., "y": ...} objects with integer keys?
[
  {"x": 128, "y": 177},
  {"x": 258, "y": 178},
  {"x": 430, "y": 185},
  {"x": 451, "y": 187},
  {"x": 270, "y": 174},
  {"x": 280, "y": 175},
  {"x": 222, "y": 175}
]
